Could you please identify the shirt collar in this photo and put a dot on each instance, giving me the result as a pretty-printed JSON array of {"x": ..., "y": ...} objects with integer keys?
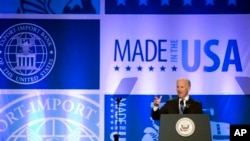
[{"x": 185, "y": 100}]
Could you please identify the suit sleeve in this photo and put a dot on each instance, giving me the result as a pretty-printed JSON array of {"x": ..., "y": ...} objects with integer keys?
[
  {"x": 156, "y": 114},
  {"x": 199, "y": 108},
  {"x": 196, "y": 109}
]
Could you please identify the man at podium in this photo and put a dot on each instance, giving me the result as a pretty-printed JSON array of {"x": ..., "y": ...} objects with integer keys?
[{"x": 183, "y": 104}]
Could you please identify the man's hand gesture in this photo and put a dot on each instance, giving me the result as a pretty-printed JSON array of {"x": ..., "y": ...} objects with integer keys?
[{"x": 157, "y": 101}]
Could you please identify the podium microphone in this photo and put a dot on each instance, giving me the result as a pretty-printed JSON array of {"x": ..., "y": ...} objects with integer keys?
[
  {"x": 125, "y": 87},
  {"x": 116, "y": 136}
]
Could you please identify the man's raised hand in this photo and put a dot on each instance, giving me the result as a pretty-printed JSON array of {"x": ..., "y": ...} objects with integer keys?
[{"x": 157, "y": 101}]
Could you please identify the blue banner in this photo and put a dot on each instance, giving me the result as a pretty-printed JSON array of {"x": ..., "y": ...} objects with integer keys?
[
  {"x": 49, "y": 54},
  {"x": 55, "y": 116},
  {"x": 50, "y": 7},
  {"x": 177, "y": 7}
]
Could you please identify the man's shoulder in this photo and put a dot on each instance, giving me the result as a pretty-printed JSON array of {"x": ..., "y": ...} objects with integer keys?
[
  {"x": 194, "y": 101},
  {"x": 173, "y": 99}
]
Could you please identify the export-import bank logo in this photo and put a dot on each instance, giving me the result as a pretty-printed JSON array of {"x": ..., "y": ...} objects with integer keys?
[
  {"x": 50, "y": 117},
  {"x": 27, "y": 53}
]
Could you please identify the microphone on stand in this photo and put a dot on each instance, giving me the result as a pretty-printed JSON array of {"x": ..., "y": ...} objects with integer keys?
[
  {"x": 116, "y": 136},
  {"x": 122, "y": 91}
]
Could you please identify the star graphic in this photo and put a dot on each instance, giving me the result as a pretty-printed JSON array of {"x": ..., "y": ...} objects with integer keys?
[
  {"x": 162, "y": 68},
  {"x": 151, "y": 68},
  {"x": 209, "y": 2},
  {"x": 116, "y": 68},
  {"x": 187, "y": 2},
  {"x": 139, "y": 68},
  {"x": 128, "y": 68},
  {"x": 174, "y": 68}
]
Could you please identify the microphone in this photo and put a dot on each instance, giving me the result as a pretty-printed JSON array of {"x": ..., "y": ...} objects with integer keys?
[{"x": 118, "y": 99}]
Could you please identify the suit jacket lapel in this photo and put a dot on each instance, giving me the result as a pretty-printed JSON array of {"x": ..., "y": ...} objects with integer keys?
[{"x": 177, "y": 107}]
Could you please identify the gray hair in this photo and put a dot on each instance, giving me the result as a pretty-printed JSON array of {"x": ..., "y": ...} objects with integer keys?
[{"x": 185, "y": 79}]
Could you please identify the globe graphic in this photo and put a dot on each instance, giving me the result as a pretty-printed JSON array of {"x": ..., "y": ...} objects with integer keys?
[
  {"x": 53, "y": 129},
  {"x": 25, "y": 53}
]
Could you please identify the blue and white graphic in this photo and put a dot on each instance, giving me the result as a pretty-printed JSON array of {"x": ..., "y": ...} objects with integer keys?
[
  {"x": 50, "y": 6},
  {"x": 210, "y": 54},
  {"x": 177, "y": 6},
  {"x": 49, "y": 117},
  {"x": 77, "y": 70},
  {"x": 37, "y": 54},
  {"x": 27, "y": 53},
  {"x": 159, "y": 49}
]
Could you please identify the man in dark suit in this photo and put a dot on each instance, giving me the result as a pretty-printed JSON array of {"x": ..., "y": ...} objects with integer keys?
[{"x": 183, "y": 104}]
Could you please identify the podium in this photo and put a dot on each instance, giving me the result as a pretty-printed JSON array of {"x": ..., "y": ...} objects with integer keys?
[{"x": 186, "y": 127}]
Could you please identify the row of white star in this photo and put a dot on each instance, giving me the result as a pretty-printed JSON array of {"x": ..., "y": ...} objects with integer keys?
[
  {"x": 166, "y": 2},
  {"x": 140, "y": 68}
]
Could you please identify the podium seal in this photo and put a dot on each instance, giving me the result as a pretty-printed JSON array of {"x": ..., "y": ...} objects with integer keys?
[{"x": 185, "y": 127}]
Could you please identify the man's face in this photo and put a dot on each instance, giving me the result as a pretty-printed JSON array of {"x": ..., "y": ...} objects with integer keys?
[{"x": 182, "y": 88}]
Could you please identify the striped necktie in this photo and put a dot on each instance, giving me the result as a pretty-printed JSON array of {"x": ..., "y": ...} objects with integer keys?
[{"x": 181, "y": 106}]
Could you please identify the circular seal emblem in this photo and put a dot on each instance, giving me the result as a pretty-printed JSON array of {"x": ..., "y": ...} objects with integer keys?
[
  {"x": 27, "y": 53},
  {"x": 185, "y": 127}
]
